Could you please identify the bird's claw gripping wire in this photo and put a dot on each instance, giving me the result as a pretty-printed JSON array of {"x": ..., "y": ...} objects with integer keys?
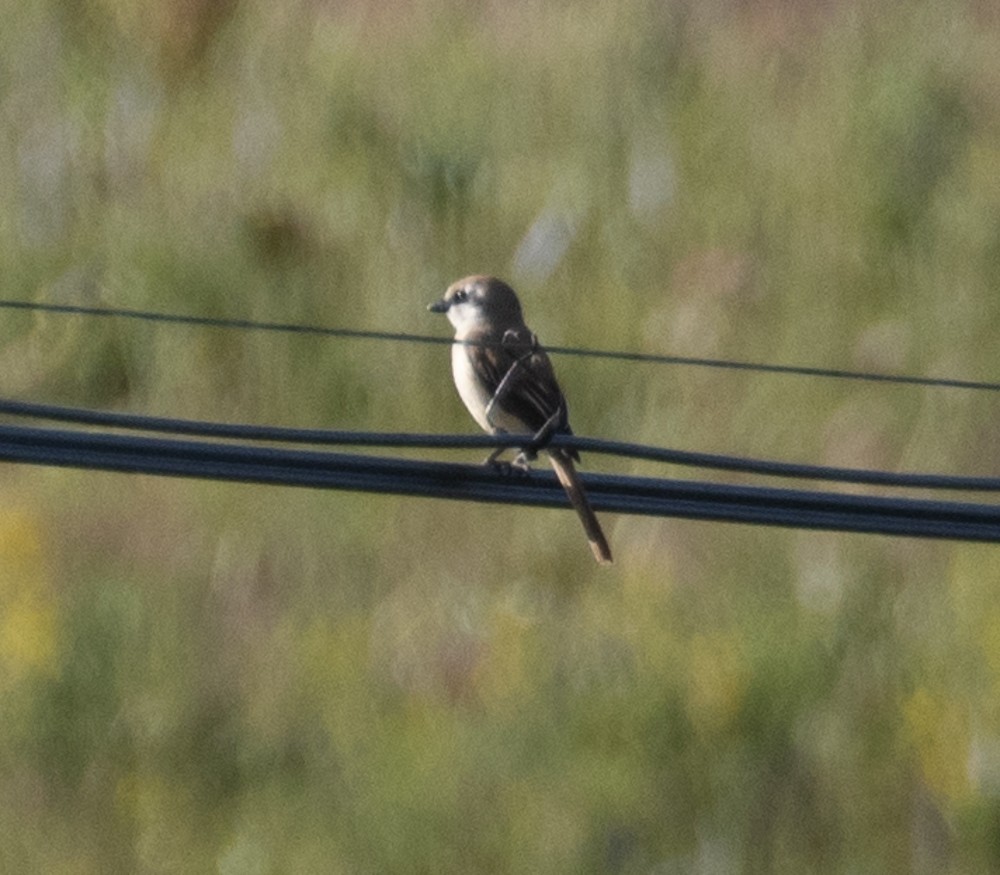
[{"x": 518, "y": 467}]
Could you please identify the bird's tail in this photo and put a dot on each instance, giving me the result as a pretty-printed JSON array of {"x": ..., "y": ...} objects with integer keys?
[{"x": 570, "y": 480}]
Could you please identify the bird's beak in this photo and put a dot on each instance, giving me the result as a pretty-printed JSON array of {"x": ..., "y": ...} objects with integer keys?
[{"x": 439, "y": 306}]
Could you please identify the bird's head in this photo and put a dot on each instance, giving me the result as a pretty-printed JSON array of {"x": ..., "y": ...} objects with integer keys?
[{"x": 479, "y": 302}]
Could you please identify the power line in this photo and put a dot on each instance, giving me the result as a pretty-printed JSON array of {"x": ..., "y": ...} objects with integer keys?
[
  {"x": 631, "y": 495},
  {"x": 323, "y": 437},
  {"x": 400, "y": 337},
  {"x": 214, "y": 322}
]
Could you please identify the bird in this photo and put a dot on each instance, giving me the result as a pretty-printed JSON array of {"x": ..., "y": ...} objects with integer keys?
[{"x": 505, "y": 379}]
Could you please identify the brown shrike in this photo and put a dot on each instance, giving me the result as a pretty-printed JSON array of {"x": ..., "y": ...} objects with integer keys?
[{"x": 507, "y": 382}]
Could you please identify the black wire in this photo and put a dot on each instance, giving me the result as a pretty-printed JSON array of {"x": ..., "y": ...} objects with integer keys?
[
  {"x": 632, "y": 495},
  {"x": 213, "y": 322},
  {"x": 278, "y": 434},
  {"x": 647, "y": 358}
]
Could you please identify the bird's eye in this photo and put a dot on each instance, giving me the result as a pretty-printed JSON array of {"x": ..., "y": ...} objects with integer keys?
[{"x": 461, "y": 296}]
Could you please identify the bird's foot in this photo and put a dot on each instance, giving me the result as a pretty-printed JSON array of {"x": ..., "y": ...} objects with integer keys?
[
  {"x": 523, "y": 460},
  {"x": 508, "y": 469},
  {"x": 520, "y": 466}
]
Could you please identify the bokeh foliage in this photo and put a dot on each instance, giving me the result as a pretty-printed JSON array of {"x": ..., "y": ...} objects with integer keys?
[{"x": 209, "y": 678}]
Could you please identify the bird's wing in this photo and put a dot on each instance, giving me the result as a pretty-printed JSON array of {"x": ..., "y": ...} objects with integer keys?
[{"x": 518, "y": 373}]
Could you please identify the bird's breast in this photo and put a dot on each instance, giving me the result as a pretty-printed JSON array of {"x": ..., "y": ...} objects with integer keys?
[{"x": 477, "y": 396}]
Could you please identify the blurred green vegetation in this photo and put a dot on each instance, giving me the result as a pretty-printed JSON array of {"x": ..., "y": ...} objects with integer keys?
[{"x": 206, "y": 678}]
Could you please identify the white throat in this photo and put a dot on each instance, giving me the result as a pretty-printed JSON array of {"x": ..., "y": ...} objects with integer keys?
[{"x": 468, "y": 318}]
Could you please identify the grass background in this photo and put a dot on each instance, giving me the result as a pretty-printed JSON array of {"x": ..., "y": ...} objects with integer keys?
[{"x": 208, "y": 678}]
